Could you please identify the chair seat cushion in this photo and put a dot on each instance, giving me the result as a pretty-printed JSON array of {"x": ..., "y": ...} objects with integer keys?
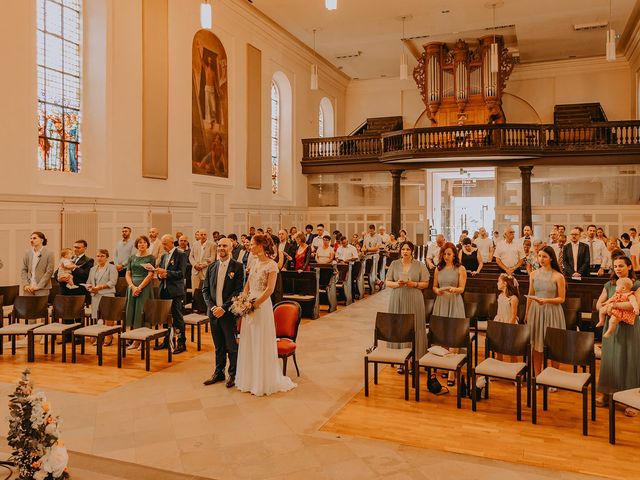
[
  {"x": 390, "y": 355},
  {"x": 301, "y": 298},
  {"x": 447, "y": 362},
  {"x": 195, "y": 319},
  {"x": 286, "y": 346},
  {"x": 496, "y": 368},
  {"x": 56, "y": 328},
  {"x": 95, "y": 330},
  {"x": 631, "y": 397},
  {"x": 482, "y": 325},
  {"x": 18, "y": 328},
  {"x": 142, "y": 333},
  {"x": 553, "y": 377}
]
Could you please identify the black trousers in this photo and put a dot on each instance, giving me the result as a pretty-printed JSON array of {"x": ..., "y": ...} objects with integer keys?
[
  {"x": 176, "y": 315},
  {"x": 223, "y": 331}
]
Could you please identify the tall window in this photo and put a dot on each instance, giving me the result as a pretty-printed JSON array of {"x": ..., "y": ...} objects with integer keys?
[
  {"x": 320, "y": 122},
  {"x": 275, "y": 137},
  {"x": 59, "y": 36}
]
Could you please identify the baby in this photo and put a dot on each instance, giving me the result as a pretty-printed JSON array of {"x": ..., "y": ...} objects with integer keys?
[
  {"x": 66, "y": 267},
  {"x": 617, "y": 315}
]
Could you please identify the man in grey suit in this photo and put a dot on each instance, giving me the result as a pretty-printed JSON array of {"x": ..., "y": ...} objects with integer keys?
[{"x": 37, "y": 267}]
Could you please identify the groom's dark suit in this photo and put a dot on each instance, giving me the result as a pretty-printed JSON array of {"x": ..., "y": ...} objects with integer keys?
[
  {"x": 172, "y": 288},
  {"x": 223, "y": 329}
]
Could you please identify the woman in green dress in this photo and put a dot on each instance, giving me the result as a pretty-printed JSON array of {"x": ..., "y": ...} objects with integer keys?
[
  {"x": 620, "y": 363},
  {"x": 406, "y": 278},
  {"x": 139, "y": 281}
]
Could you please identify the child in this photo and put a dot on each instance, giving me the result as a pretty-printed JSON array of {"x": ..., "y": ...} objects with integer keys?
[
  {"x": 507, "y": 302},
  {"x": 617, "y": 315},
  {"x": 66, "y": 266}
]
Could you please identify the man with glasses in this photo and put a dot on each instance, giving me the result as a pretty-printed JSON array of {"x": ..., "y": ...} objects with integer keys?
[{"x": 575, "y": 256}]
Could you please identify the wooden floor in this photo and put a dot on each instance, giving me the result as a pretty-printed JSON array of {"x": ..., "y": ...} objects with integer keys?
[{"x": 493, "y": 432}]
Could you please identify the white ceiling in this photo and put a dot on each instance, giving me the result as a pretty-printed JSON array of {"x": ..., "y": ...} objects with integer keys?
[{"x": 543, "y": 28}]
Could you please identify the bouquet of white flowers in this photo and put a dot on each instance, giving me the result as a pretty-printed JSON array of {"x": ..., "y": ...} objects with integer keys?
[
  {"x": 34, "y": 435},
  {"x": 241, "y": 305}
]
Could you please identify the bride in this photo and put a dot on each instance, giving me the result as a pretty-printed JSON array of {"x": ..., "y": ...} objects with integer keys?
[{"x": 258, "y": 368}]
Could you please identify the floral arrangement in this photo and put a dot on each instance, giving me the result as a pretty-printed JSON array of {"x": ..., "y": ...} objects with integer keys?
[
  {"x": 241, "y": 304},
  {"x": 34, "y": 435}
]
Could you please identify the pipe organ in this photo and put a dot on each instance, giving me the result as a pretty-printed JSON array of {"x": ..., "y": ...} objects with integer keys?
[{"x": 460, "y": 85}]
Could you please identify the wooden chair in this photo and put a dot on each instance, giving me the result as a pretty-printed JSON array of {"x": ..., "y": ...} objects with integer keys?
[
  {"x": 506, "y": 339},
  {"x": 66, "y": 308},
  {"x": 572, "y": 348},
  {"x": 121, "y": 287},
  {"x": 287, "y": 316},
  {"x": 156, "y": 313},
  {"x": 449, "y": 333},
  {"x": 304, "y": 288},
  {"x": 396, "y": 328},
  {"x": 198, "y": 317},
  {"x": 109, "y": 309},
  {"x": 344, "y": 282},
  {"x": 9, "y": 294},
  {"x": 629, "y": 398},
  {"x": 486, "y": 309},
  {"x": 25, "y": 308}
]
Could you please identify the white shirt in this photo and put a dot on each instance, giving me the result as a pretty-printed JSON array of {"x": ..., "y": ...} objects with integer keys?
[
  {"x": 384, "y": 237},
  {"x": 635, "y": 251},
  {"x": 222, "y": 271},
  {"x": 509, "y": 253},
  {"x": 371, "y": 241},
  {"x": 317, "y": 241},
  {"x": 346, "y": 253},
  {"x": 575, "y": 249},
  {"x": 433, "y": 252},
  {"x": 530, "y": 238},
  {"x": 597, "y": 250},
  {"x": 484, "y": 247},
  {"x": 167, "y": 257},
  {"x": 34, "y": 263}
]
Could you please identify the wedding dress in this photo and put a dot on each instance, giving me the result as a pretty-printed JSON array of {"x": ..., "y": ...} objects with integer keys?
[{"x": 259, "y": 370}]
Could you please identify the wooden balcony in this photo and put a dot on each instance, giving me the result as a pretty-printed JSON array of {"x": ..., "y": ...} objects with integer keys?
[{"x": 477, "y": 145}]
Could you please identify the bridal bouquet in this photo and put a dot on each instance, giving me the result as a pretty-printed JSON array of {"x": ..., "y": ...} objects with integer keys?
[
  {"x": 34, "y": 435},
  {"x": 241, "y": 304}
]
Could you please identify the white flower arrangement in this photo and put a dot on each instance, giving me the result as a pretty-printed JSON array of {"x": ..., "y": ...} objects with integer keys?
[
  {"x": 34, "y": 435},
  {"x": 241, "y": 304}
]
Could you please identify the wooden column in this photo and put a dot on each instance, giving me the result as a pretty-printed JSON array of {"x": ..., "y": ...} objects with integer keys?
[
  {"x": 526, "y": 217},
  {"x": 396, "y": 202}
]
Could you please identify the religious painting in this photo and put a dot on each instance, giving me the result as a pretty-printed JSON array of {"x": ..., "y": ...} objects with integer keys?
[{"x": 209, "y": 100}]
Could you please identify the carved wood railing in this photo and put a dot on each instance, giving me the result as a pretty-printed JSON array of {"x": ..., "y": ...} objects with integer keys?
[{"x": 536, "y": 139}]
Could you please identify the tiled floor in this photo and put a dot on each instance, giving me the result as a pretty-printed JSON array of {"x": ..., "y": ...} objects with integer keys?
[{"x": 170, "y": 421}]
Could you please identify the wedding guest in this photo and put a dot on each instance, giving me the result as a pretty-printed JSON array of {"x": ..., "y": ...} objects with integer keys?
[
  {"x": 433, "y": 251},
  {"x": 544, "y": 303},
  {"x": 384, "y": 236},
  {"x": 620, "y": 363},
  {"x": 80, "y": 271},
  {"x": 245, "y": 256},
  {"x": 325, "y": 253},
  {"x": 277, "y": 255},
  {"x": 177, "y": 238},
  {"x": 346, "y": 252},
  {"x": 317, "y": 240},
  {"x": 625, "y": 244},
  {"x": 576, "y": 256},
  {"x": 562, "y": 230},
  {"x": 607, "y": 261},
  {"x": 634, "y": 254},
  {"x": 309, "y": 235},
  {"x": 236, "y": 246},
  {"x": 392, "y": 246},
  {"x": 287, "y": 250},
  {"x": 215, "y": 236},
  {"x": 562, "y": 241},
  {"x": 531, "y": 260},
  {"x": 484, "y": 245},
  {"x": 553, "y": 237},
  {"x": 293, "y": 231},
  {"x": 402, "y": 236},
  {"x": 155, "y": 247},
  {"x": 355, "y": 240},
  {"x": 303, "y": 254},
  {"x": 633, "y": 235},
  {"x": 597, "y": 249},
  {"x": 335, "y": 239},
  {"x": 449, "y": 281},
  {"x": 102, "y": 281},
  {"x": 600, "y": 235},
  {"x": 371, "y": 247},
  {"x": 183, "y": 246},
  {"x": 37, "y": 267},
  {"x": 252, "y": 232},
  {"x": 124, "y": 250},
  {"x": 509, "y": 253},
  {"x": 469, "y": 257},
  {"x": 139, "y": 278},
  {"x": 202, "y": 254},
  {"x": 527, "y": 234},
  {"x": 406, "y": 278}
]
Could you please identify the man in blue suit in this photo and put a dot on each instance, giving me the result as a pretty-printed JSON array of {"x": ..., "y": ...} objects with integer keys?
[{"x": 171, "y": 273}]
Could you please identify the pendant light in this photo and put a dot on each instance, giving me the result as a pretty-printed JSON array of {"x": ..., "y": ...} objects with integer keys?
[
  {"x": 404, "y": 63},
  {"x": 331, "y": 4},
  {"x": 494, "y": 60},
  {"x": 205, "y": 14},
  {"x": 314, "y": 66},
  {"x": 611, "y": 40}
]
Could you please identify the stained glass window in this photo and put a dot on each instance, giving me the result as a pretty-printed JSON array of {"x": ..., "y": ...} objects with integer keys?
[
  {"x": 275, "y": 137},
  {"x": 59, "y": 37}
]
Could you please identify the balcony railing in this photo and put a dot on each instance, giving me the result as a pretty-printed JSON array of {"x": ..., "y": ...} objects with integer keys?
[{"x": 505, "y": 139}]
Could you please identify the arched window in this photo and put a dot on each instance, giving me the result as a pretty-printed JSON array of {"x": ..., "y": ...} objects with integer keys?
[
  {"x": 326, "y": 118},
  {"x": 320, "y": 122},
  {"x": 59, "y": 38},
  {"x": 275, "y": 137}
]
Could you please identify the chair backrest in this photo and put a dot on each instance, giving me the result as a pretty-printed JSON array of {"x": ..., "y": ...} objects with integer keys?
[
  {"x": 395, "y": 327},
  {"x": 344, "y": 272},
  {"x": 355, "y": 272},
  {"x": 198, "y": 304},
  {"x": 156, "y": 312},
  {"x": 9, "y": 294},
  {"x": 327, "y": 274},
  {"x": 29, "y": 307},
  {"x": 571, "y": 318},
  {"x": 54, "y": 291},
  {"x": 428, "y": 307},
  {"x": 303, "y": 283},
  {"x": 287, "y": 316},
  {"x": 508, "y": 338},
  {"x": 68, "y": 307},
  {"x": 112, "y": 308},
  {"x": 449, "y": 332},
  {"x": 121, "y": 287},
  {"x": 569, "y": 347},
  {"x": 486, "y": 303},
  {"x": 470, "y": 309},
  {"x": 572, "y": 303}
]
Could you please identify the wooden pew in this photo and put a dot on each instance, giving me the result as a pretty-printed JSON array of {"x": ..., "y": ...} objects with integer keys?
[
  {"x": 328, "y": 280},
  {"x": 344, "y": 282},
  {"x": 357, "y": 279},
  {"x": 304, "y": 288}
]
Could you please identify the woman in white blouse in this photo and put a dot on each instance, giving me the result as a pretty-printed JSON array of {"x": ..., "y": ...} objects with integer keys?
[{"x": 325, "y": 252}]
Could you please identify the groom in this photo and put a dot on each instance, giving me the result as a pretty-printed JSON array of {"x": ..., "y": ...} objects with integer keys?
[{"x": 223, "y": 281}]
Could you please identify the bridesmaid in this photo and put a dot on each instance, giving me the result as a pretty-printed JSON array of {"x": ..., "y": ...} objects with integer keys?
[
  {"x": 620, "y": 364},
  {"x": 407, "y": 278},
  {"x": 139, "y": 280},
  {"x": 303, "y": 254},
  {"x": 544, "y": 305},
  {"x": 449, "y": 280},
  {"x": 102, "y": 281}
]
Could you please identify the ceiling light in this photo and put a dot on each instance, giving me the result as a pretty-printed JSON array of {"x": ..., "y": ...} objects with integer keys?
[
  {"x": 404, "y": 63},
  {"x": 331, "y": 4},
  {"x": 205, "y": 14},
  {"x": 610, "y": 46}
]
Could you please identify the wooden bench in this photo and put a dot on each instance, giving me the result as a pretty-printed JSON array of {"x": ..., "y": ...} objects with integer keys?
[
  {"x": 357, "y": 279},
  {"x": 304, "y": 288},
  {"x": 328, "y": 280},
  {"x": 344, "y": 282}
]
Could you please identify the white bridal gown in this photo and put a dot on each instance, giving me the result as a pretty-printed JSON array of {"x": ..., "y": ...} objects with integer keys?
[{"x": 259, "y": 370}]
